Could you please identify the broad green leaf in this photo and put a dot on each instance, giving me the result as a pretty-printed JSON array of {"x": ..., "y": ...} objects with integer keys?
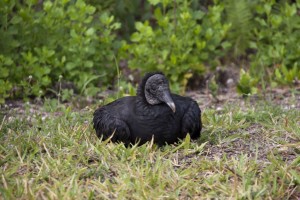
[
  {"x": 135, "y": 37},
  {"x": 90, "y": 32}
]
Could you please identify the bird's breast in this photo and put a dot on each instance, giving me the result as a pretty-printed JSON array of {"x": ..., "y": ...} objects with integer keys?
[{"x": 164, "y": 127}]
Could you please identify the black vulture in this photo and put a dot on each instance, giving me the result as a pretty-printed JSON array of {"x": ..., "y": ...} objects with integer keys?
[{"x": 153, "y": 113}]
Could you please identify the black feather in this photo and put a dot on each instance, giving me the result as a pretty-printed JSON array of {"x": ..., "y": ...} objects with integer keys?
[{"x": 133, "y": 119}]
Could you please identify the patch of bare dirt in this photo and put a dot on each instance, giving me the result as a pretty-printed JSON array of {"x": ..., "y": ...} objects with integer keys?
[{"x": 282, "y": 97}]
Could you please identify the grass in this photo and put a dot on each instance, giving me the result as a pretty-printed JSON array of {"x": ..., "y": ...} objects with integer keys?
[{"x": 245, "y": 152}]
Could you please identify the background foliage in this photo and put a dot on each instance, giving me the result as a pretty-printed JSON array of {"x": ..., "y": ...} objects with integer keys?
[
  {"x": 43, "y": 41},
  {"x": 79, "y": 42},
  {"x": 179, "y": 44}
]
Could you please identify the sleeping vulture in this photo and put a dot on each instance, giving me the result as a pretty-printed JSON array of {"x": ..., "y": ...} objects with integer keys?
[{"x": 154, "y": 113}]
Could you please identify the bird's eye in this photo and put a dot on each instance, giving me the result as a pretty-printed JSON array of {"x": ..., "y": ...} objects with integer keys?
[
  {"x": 153, "y": 88},
  {"x": 161, "y": 82}
]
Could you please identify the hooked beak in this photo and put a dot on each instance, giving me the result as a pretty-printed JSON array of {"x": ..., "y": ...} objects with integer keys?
[
  {"x": 172, "y": 106},
  {"x": 169, "y": 101}
]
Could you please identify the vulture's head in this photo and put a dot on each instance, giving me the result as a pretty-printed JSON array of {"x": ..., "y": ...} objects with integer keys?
[{"x": 155, "y": 88}]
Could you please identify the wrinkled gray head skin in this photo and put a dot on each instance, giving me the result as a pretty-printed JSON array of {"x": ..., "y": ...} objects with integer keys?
[{"x": 157, "y": 91}]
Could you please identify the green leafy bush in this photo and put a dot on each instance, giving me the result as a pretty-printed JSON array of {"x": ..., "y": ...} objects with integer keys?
[
  {"x": 287, "y": 76},
  {"x": 79, "y": 41},
  {"x": 247, "y": 84},
  {"x": 183, "y": 40},
  {"x": 277, "y": 41},
  {"x": 43, "y": 40},
  {"x": 5, "y": 85}
]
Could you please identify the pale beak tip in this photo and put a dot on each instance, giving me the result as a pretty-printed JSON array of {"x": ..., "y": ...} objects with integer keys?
[{"x": 172, "y": 106}]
